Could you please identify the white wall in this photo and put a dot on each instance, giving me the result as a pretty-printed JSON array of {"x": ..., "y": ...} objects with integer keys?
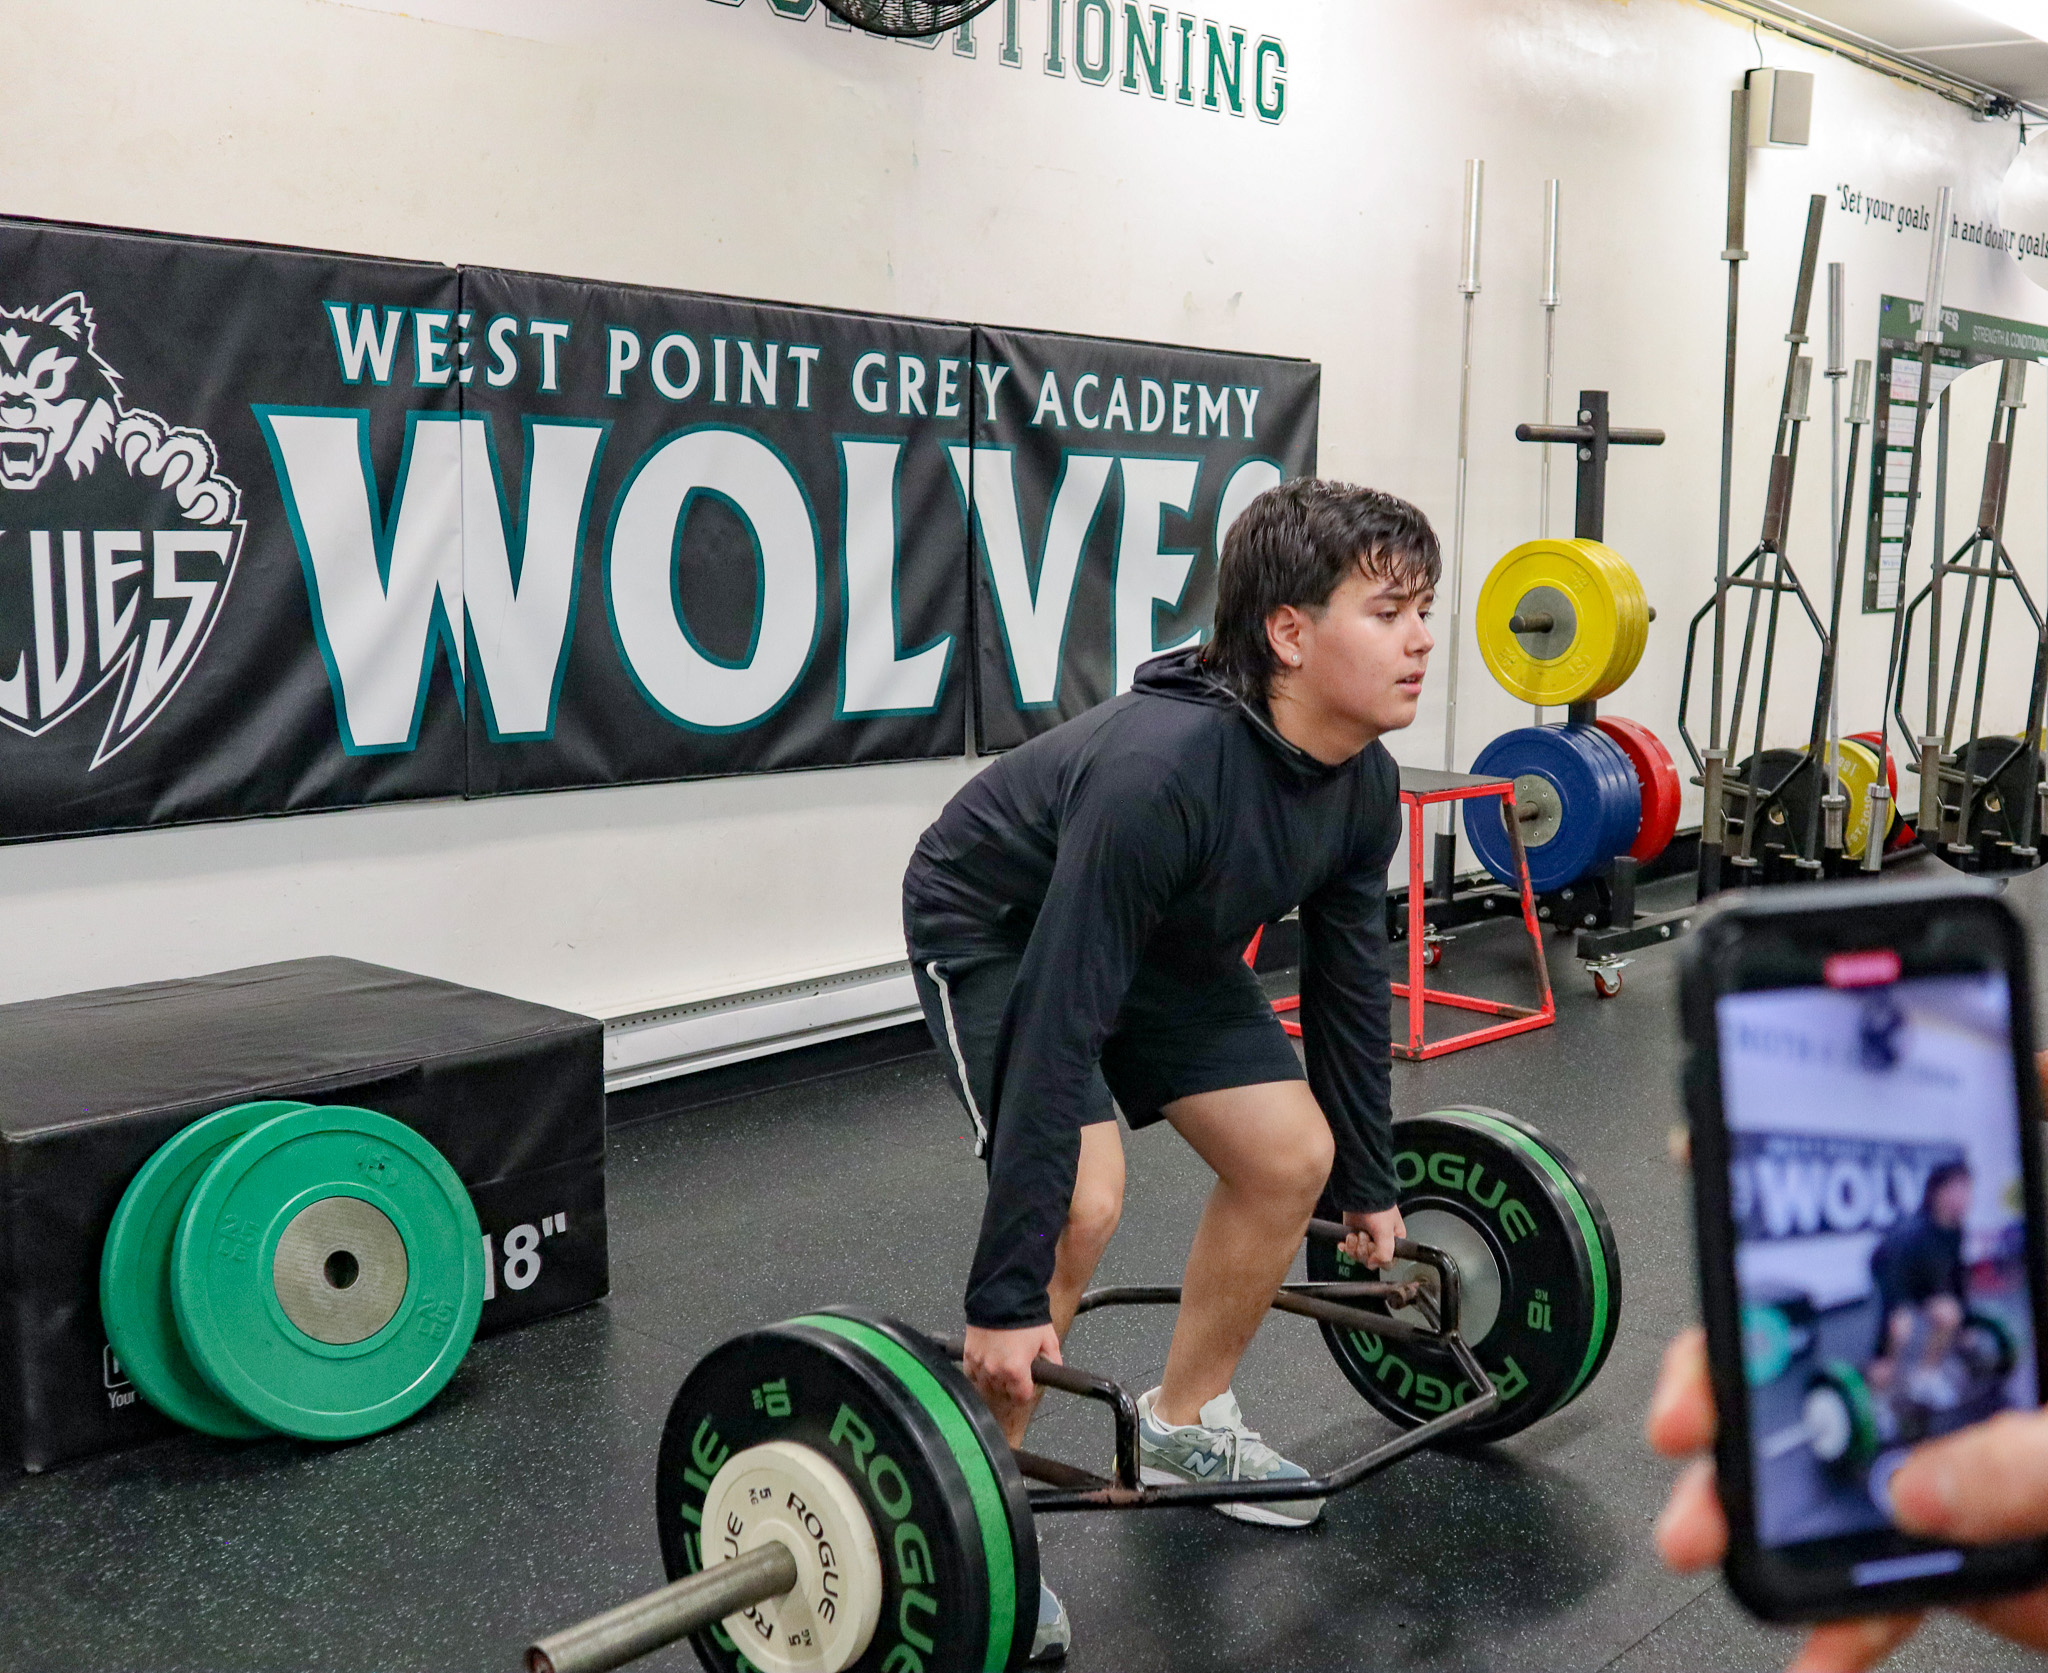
[{"x": 719, "y": 147}]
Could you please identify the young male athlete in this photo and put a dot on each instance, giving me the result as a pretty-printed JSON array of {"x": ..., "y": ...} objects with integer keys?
[
  {"x": 1923, "y": 1292},
  {"x": 1077, "y": 918}
]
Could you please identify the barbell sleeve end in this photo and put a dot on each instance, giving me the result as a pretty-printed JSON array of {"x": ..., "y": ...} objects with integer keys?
[{"x": 674, "y": 1611}]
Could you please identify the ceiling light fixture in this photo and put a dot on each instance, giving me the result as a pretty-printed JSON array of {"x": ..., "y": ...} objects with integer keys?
[{"x": 2029, "y": 17}]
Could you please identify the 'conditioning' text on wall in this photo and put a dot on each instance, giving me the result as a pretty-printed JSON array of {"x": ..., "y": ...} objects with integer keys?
[{"x": 1175, "y": 57}]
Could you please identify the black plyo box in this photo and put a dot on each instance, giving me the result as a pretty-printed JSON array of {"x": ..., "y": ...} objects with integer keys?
[{"x": 90, "y": 1084}]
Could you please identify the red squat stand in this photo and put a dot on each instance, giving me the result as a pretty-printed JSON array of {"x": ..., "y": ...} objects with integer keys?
[{"x": 1422, "y": 788}]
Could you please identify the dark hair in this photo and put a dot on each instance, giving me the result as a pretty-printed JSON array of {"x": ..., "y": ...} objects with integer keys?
[
  {"x": 1938, "y": 1178},
  {"x": 1295, "y": 544}
]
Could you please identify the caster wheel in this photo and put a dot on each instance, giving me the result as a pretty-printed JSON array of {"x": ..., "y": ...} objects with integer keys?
[
  {"x": 1606, "y": 985},
  {"x": 1432, "y": 955}
]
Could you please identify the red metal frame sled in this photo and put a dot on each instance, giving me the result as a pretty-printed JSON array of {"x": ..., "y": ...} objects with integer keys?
[{"x": 1420, "y": 789}]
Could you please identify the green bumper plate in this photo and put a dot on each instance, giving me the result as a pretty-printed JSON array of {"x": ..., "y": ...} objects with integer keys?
[
  {"x": 329, "y": 1273},
  {"x": 135, "y": 1273}
]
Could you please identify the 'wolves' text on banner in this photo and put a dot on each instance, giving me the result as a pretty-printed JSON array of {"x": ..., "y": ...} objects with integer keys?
[
  {"x": 1810, "y": 1184},
  {"x": 1104, "y": 476},
  {"x": 738, "y": 545}
]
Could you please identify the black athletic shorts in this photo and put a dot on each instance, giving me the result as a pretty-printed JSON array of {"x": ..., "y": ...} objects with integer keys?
[{"x": 1171, "y": 1039}]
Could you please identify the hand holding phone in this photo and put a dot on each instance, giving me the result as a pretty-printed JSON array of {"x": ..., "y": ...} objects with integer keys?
[
  {"x": 1868, "y": 1200},
  {"x": 1985, "y": 1484}
]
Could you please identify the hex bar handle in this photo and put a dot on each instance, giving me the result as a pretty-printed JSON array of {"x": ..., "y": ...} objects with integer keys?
[
  {"x": 1450, "y": 1287},
  {"x": 661, "y": 1617},
  {"x": 1308, "y": 1301}
]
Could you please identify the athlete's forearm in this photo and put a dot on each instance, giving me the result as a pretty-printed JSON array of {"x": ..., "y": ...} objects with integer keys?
[
  {"x": 1031, "y": 1182},
  {"x": 1346, "y": 1020}
]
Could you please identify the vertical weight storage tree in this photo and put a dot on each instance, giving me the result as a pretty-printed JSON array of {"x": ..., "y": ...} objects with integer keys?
[
  {"x": 1566, "y": 623},
  {"x": 1560, "y": 623}
]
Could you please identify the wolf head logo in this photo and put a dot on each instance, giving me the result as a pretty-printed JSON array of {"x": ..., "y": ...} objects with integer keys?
[
  {"x": 58, "y": 398},
  {"x": 112, "y": 569},
  {"x": 60, "y": 401}
]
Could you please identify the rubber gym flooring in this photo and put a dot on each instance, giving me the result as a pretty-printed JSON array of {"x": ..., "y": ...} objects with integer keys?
[{"x": 522, "y": 1499}]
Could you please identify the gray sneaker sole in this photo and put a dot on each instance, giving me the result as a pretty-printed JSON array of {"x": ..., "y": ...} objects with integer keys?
[{"x": 1274, "y": 1513}]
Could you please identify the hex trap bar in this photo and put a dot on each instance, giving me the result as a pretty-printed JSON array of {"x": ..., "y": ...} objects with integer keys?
[
  {"x": 1065, "y": 1486},
  {"x": 1766, "y": 571},
  {"x": 688, "y": 1605},
  {"x": 1952, "y": 828}
]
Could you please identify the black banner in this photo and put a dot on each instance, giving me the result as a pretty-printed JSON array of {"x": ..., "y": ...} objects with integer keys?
[
  {"x": 1105, "y": 475},
  {"x": 283, "y": 530}
]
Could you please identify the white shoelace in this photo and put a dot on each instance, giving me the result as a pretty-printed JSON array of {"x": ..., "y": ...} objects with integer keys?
[{"x": 1242, "y": 1446}]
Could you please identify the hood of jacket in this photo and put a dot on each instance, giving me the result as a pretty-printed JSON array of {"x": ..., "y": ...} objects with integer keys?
[{"x": 1182, "y": 677}]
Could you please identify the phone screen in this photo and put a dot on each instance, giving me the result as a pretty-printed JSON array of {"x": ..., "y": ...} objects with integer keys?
[{"x": 1878, "y": 1199}]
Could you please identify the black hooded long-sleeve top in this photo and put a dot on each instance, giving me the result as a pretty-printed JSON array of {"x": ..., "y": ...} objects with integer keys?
[{"x": 1155, "y": 834}]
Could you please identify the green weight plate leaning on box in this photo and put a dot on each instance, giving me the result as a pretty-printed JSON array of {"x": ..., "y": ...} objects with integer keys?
[
  {"x": 329, "y": 1273},
  {"x": 135, "y": 1272}
]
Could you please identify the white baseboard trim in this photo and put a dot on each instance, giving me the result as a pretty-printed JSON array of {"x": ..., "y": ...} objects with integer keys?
[{"x": 649, "y": 1046}]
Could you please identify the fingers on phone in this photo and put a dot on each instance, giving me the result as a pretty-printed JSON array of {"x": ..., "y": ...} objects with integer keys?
[
  {"x": 1851, "y": 1646},
  {"x": 2023, "y": 1619},
  {"x": 1692, "y": 1533},
  {"x": 2003, "y": 1464},
  {"x": 1681, "y": 1416}
]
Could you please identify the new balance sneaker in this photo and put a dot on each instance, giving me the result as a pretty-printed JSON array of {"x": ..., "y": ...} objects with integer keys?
[
  {"x": 1933, "y": 1386},
  {"x": 1219, "y": 1448},
  {"x": 1054, "y": 1634}
]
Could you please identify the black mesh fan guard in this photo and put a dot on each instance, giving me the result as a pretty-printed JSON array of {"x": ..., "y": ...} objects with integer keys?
[{"x": 907, "y": 17}]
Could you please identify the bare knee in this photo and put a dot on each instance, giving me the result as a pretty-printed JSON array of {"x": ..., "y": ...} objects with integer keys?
[
  {"x": 1292, "y": 1172},
  {"x": 1093, "y": 1215},
  {"x": 1098, "y": 1201}
]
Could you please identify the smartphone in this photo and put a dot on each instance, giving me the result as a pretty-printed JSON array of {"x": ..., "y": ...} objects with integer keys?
[{"x": 1867, "y": 1194}]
